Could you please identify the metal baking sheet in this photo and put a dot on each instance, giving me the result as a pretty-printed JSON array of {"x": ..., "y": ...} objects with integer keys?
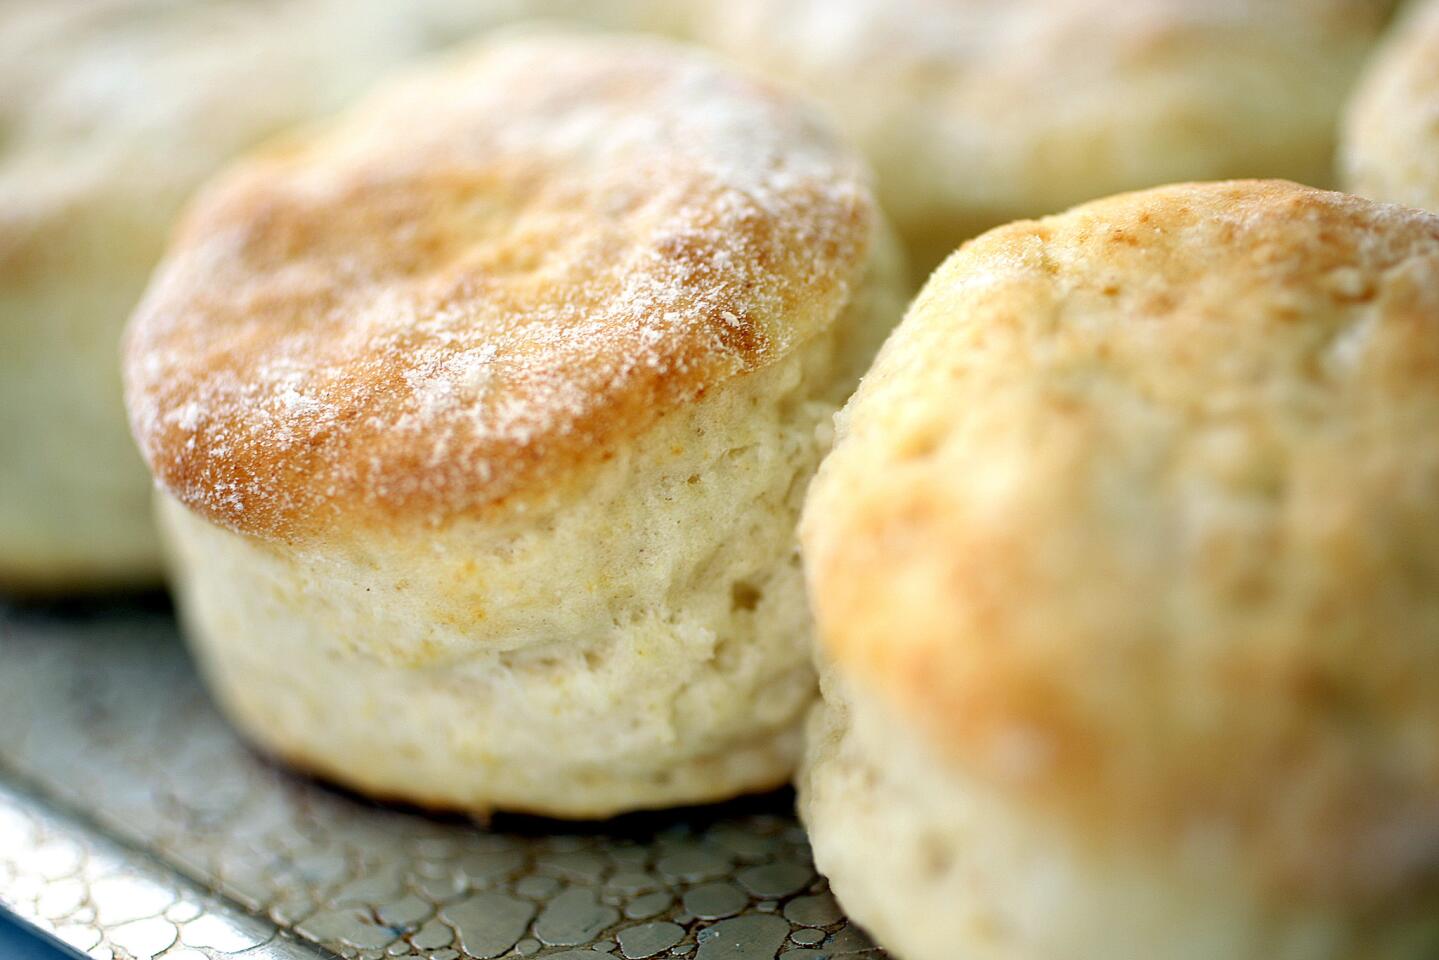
[{"x": 134, "y": 824}]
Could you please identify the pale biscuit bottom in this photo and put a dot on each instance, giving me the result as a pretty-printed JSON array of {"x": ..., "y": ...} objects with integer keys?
[
  {"x": 74, "y": 493},
  {"x": 937, "y": 866}
]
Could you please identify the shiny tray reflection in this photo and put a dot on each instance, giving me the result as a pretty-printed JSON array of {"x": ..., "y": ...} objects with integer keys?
[{"x": 134, "y": 824}]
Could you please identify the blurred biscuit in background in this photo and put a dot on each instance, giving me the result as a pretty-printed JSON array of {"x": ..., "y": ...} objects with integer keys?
[
  {"x": 111, "y": 112},
  {"x": 977, "y": 112},
  {"x": 1126, "y": 573},
  {"x": 1391, "y": 137}
]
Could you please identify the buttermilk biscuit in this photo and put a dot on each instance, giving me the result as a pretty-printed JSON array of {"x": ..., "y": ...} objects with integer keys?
[
  {"x": 111, "y": 112},
  {"x": 484, "y": 416},
  {"x": 1391, "y": 137},
  {"x": 976, "y": 112},
  {"x": 1126, "y": 572}
]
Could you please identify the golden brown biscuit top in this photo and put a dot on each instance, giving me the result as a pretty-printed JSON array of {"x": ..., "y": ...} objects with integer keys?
[
  {"x": 483, "y": 277},
  {"x": 1136, "y": 516}
]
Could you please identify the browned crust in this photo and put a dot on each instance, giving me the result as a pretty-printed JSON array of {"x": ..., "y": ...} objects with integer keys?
[
  {"x": 1135, "y": 517},
  {"x": 483, "y": 279}
]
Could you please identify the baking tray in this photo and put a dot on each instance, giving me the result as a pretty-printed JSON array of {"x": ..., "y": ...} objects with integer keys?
[{"x": 133, "y": 823}]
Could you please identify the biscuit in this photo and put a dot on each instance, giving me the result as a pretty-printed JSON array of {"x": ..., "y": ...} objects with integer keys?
[
  {"x": 1125, "y": 568},
  {"x": 978, "y": 112},
  {"x": 1390, "y": 148},
  {"x": 484, "y": 415}
]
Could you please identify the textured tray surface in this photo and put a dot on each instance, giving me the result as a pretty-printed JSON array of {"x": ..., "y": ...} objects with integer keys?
[{"x": 134, "y": 823}]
